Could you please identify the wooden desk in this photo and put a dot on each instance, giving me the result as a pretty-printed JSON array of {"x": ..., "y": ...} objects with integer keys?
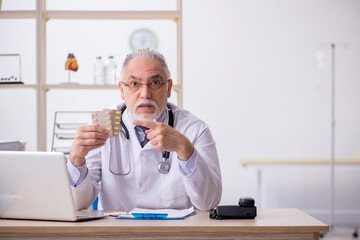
[{"x": 269, "y": 224}]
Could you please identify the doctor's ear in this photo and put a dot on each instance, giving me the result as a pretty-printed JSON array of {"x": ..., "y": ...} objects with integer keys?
[
  {"x": 170, "y": 83},
  {"x": 121, "y": 87}
]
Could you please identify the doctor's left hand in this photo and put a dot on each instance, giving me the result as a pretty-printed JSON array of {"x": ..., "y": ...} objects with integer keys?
[{"x": 165, "y": 138}]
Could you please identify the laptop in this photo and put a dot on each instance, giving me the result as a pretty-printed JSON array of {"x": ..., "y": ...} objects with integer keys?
[{"x": 36, "y": 185}]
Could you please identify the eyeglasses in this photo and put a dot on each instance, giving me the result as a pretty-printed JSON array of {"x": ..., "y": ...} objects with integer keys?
[{"x": 135, "y": 85}]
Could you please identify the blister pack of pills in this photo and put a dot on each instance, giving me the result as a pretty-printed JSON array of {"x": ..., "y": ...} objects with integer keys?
[{"x": 108, "y": 119}]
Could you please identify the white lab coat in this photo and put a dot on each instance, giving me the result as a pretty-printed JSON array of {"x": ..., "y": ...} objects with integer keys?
[{"x": 144, "y": 186}]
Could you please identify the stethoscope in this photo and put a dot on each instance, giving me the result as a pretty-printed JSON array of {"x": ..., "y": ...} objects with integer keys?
[{"x": 164, "y": 166}]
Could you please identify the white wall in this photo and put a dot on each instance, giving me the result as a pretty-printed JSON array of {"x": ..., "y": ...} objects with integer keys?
[
  {"x": 251, "y": 72},
  {"x": 265, "y": 96}
]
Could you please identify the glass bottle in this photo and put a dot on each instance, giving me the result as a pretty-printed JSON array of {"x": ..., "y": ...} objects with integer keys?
[
  {"x": 98, "y": 71},
  {"x": 110, "y": 71}
]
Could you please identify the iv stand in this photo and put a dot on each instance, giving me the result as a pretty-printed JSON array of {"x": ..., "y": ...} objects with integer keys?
[
  {"x": 332, "y": 156},
  {"x": 332, "y": 151}
]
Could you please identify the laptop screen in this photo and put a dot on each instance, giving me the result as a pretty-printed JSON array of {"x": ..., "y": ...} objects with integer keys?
[{"x": 35, "y": 185}]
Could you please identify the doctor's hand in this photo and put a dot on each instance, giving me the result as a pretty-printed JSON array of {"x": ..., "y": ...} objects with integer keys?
[
  {"x": 87, "y": 138},
  {"x": 165, "y": 138}
]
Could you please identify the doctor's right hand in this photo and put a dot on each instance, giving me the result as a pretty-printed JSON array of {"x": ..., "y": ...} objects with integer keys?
[{"x": 87, "y": 138}]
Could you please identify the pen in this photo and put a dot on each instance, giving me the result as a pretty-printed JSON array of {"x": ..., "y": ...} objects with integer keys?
[{"x": 150, "y": 215}]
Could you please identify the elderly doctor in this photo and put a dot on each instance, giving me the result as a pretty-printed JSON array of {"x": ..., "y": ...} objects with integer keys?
[{"x": 150, "y": 164}]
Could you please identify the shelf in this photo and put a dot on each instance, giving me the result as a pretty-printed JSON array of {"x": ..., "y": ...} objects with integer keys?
[
  {"x": 65, "y": 150},
  {"x": 19, "y": 86},
  {"x": 69, "y": 126},
  {"x": 176, "y": 88},
  {"x": 80, "y": 86},
  {"x": 270, "y": 162},
  {"x": 65, "y": 136},
  {"x": 98, "y": 15},
  {"x": 17, "y": 14}
]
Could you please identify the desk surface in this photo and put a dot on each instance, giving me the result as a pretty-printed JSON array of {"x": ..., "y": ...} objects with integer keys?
[{"x": 269, "y": 224}]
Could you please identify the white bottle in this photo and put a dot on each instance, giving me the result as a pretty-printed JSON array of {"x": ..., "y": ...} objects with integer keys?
[
  {"x": 99, "y": 71},
  {"x": 110, "y": 71}
]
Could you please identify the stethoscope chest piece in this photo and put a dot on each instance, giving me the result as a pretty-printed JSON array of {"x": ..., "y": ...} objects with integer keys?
[{"x": 164, "y": 166}]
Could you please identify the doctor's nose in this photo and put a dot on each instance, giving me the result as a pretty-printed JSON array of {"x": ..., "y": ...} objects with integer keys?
[{"x": 145, "y": 91}]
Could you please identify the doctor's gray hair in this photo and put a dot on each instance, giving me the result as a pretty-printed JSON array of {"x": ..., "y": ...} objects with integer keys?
[{"x": 146, "y": 53}]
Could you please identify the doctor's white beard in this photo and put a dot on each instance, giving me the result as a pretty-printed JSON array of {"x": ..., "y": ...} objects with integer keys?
[{"x": 147, "y": 117}]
